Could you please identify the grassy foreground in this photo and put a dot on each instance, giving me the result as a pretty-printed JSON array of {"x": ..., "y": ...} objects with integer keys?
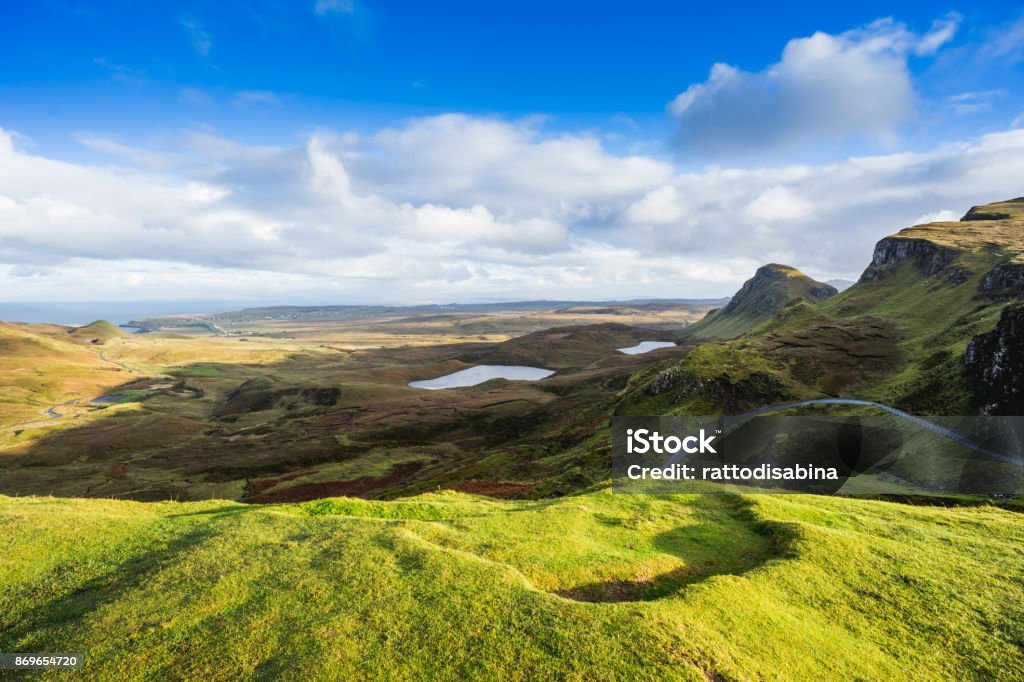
[{"x": 452, "y": 586}]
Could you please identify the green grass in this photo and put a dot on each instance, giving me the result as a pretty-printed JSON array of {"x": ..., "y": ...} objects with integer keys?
[
  {"x": 450, "y": 586},
  {"x": 195, "y": 371}
]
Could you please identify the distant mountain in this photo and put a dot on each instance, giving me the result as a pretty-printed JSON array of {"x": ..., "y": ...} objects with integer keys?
[
  {"x": 772, "y": 288},
  {"x": 841, "y": 284},
  {"x": 935, "y": 325}
]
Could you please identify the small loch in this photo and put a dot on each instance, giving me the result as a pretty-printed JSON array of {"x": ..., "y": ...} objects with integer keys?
[
  {"x": 481, "y": 373},
  {"x": 645, "y": 347}
]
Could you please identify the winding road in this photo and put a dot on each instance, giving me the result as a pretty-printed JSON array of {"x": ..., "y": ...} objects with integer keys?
[
  {"x": 924, "y": 423},
  {"x": 52, "y": 410}
]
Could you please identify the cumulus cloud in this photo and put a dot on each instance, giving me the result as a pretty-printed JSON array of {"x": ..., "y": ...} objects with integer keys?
[
  {"x": 824, "y": 86},
  {"x": 456, "y": 208},
  {"x": 943, "y": 216}
]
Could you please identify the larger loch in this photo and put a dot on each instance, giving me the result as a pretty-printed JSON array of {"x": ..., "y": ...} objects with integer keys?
[{"x": 481, "y": 373}]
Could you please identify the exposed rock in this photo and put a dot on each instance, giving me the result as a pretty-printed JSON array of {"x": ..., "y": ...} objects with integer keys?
[
  {"x": 995, "y": 365},
  {"x": 731, "y": 397},
  {"x": 928, "y": 257},
  {"x": 958, "y": 276},
  {"x": 976, "y": 214},
  {"x": 763, "y": 295},
  {"x": 997, "y": 211},
  {"x": 1006, "y": 279}
]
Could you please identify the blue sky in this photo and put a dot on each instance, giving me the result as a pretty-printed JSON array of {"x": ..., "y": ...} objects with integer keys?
[{"x": 367, "y": 150}]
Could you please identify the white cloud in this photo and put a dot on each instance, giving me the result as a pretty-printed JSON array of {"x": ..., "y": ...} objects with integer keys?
[
  {"x": 661, "y": 206},
  {"x": 974, "y": 101},
  {"x": 943, "y": 216},
  {"x": 824, "y": 87},
  {"x": 1004, "y": 44},
  {"x": 778, "y": 203},
  {"x": 456, "y": 208}
]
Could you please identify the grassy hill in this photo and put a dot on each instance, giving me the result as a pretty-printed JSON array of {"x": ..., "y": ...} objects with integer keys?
[
  {"x": 773, "y": 288},
  {"x": 97, "y": 332},
  {"x": 450, "y": 586},
  {"x": 899, "y": 336},
  {"x": 40, "y": 365},
  {"x": 576, "y": 583}
]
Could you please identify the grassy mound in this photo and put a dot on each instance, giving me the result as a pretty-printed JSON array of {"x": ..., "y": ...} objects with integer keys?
[
  {"x": 100, "y": 331},
  {"x": 450, "y": 586}
]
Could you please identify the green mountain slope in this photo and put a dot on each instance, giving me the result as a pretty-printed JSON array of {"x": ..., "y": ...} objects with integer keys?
[
  {"x": 899, "y": 336},
  {"x": 772, "y": 288},
  {"x": 448, "y": 586}
]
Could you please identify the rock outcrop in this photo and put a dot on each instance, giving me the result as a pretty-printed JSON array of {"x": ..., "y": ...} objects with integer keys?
[
  {"x": 761, "y": 298},
  {"x": 773, "y": 287},
  {"x": 928, "y": 257},
  {"x": 1005, "y": 281},
  {"x": 998, "y": 211},
  {"x": 732, "y": 397},
  {"x": 995, "y": 365}
]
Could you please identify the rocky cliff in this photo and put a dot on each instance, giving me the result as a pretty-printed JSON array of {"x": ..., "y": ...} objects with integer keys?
[
  {"x": 928, "y": 257},
  {"x": 935, "y": 247},
  {"x": 1004, "y": 281},
  {"x": 995, "y": 365}
]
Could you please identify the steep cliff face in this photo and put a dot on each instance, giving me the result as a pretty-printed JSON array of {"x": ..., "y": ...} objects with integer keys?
[
  {"x": 928, "y": 257},
  {"x": 772, "y": 288},
  {"x": 934, "y": 247},
  {"x": 995, "y": 365},
  {"x": 1004, "y": 281}
]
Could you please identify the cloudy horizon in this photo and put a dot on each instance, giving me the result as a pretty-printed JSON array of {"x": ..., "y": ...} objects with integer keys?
[{"x": 809, "y": 158}]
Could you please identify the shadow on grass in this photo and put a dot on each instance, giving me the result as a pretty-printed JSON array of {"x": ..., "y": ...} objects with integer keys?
[
  {"x": 45, "y": 626},
  {"x": 766, "y": 541}
]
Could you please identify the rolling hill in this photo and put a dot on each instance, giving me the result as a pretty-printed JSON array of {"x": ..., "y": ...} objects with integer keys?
[
  {"x": 772, "y": 289},
  {"x": 900, "y": 336},
  {"x": 97, "y": 332},
  {"x": 42, "y": 365},
  {"x": 452, "y": 586},
  {"x": 569, "y": 582}
]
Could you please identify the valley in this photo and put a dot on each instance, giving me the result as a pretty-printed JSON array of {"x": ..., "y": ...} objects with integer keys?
[
  {"x": 247, "y": 495},
  {"x": 298, "y": 414},
  {"x": 288, "y": 405}
]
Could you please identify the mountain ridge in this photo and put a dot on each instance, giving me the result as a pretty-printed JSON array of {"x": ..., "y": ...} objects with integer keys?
[{"x": 772, "y": 288}]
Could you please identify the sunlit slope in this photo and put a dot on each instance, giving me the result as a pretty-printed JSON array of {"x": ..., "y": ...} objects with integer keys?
[
  {"x": 97, "y": 332},
  {"x": 773, "y": 288},
  {"x": 899, "y": 336},
  {"x": 41, "y": 365},
  {"x": 448, "y": 586}
]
